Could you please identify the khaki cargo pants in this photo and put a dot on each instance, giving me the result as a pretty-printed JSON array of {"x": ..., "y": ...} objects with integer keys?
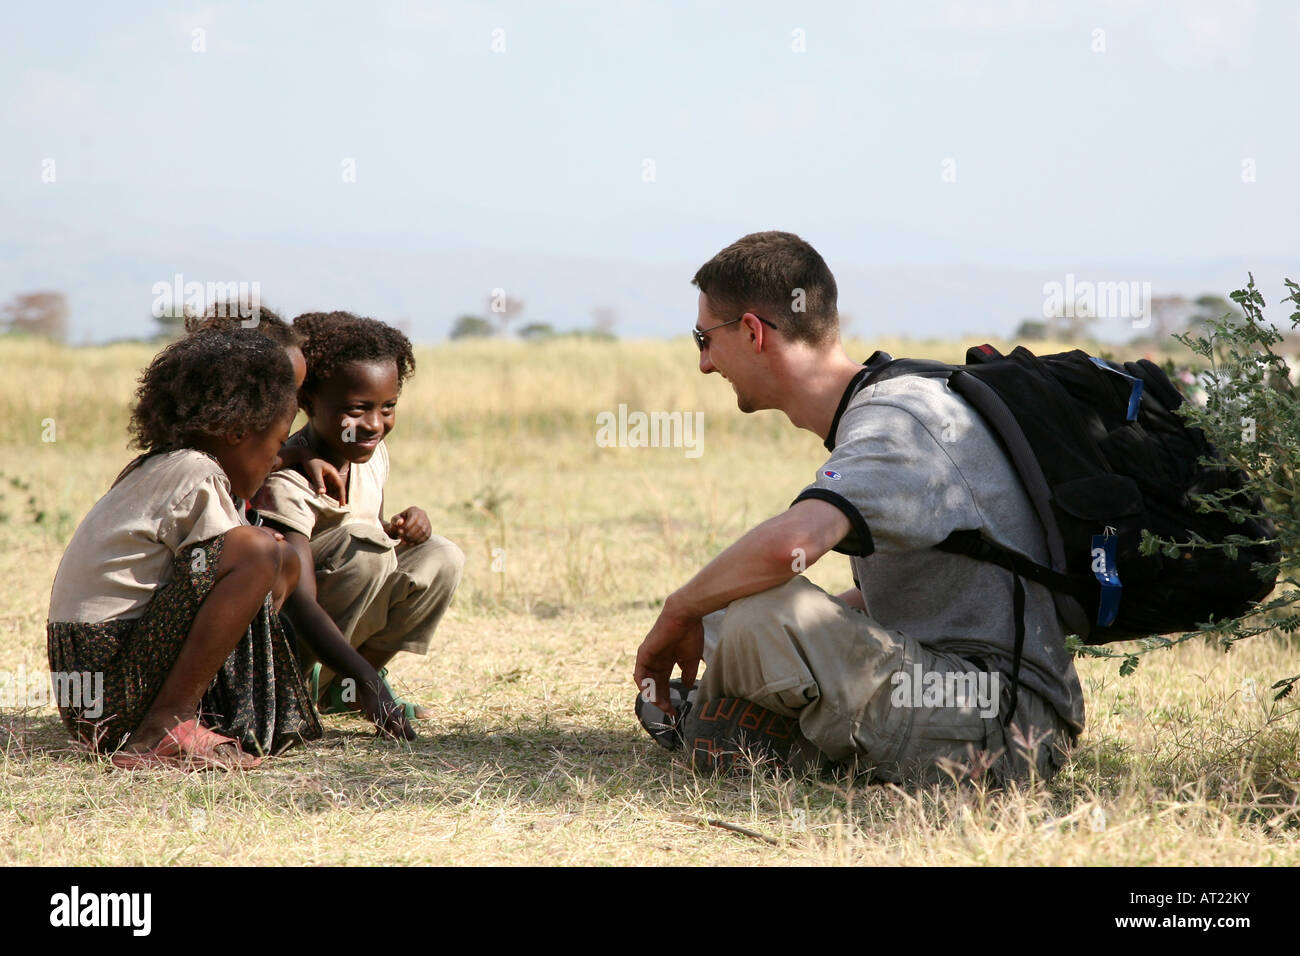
[
  {"x": 805, "y": 654},
  {"x": 386, "y": 598}
]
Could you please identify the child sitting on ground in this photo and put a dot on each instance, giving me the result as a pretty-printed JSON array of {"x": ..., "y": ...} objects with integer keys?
[
  {"x": 384, "y": 586},
  {"x": 321, "y": 475},
  {"x": 164, "y": 581}
]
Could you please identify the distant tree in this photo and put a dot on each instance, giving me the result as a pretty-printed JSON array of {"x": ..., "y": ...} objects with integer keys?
[
  {"x": 1071, "y": 323},
  {"x": 603, "y": 319},
  {"x": 171, "y": 322},
  {"x": 1168, "y": 315},
  {"x": 1211, "y": 309},
  {"x": 504, "y": 308},
  {"x": 38, "y": 313},
  {"x": 594, "y": 335},
  {"x": 536, "y": 331},
  {"x": 1031, "y": 330},
  {"x": 472, "y": 327}
]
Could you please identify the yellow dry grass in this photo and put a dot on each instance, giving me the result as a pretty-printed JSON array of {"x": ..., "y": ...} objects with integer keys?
[{"x": 533, "y": 756}]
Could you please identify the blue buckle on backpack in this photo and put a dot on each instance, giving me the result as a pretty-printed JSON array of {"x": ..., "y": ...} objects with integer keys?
[
  {"x": 1135, "y": 387},
  {"x": 1104, "y": 567}
]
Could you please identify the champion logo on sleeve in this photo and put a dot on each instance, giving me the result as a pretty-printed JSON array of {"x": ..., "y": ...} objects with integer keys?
[{"x": 832, "y": 475}]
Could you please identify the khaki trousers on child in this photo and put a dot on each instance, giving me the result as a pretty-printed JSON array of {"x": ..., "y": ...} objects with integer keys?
[
  {"x": 802, "y": 653},
  {"x": 388, "y": 599}
]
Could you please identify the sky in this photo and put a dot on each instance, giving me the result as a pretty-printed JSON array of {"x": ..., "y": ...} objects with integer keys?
[{"x": 949, "y": 159}]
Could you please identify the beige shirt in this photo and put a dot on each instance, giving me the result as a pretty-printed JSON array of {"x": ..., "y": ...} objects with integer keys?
[
  {"x": 122, "y": 551},
  {"x": 288, "y": 499}
]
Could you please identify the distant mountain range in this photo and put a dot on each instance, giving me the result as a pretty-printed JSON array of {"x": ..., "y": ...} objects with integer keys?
[{"x": 109, "y": 282}]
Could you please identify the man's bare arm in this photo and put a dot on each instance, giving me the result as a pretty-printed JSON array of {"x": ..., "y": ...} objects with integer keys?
[{"x": 763, "y": 558}]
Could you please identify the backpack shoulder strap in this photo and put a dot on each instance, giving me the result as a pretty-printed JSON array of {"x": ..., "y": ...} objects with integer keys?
[{"x": 882, "y": 366}]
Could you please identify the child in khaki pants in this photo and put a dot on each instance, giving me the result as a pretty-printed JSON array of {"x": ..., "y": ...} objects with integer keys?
[{"x": 382, "y": 585}]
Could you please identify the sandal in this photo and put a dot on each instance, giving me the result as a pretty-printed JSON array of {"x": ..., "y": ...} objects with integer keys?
[
  {"x": 406, "y": 705},
  {"x": 335, "y": 704},
  {"x": 187, "y": 746},
  {"x": 198, "y": 747},
  {"x": 164, "y": 755}
]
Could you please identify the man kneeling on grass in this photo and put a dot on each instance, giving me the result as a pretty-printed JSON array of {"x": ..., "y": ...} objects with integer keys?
[{"x": 909, "y": 675}]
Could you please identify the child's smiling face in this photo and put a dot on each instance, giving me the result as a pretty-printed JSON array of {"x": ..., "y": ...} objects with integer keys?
[{"x": 353, "y": 410}]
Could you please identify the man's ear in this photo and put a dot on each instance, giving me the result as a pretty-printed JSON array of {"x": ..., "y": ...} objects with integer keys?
[
  {"x": 234, "y": 438},
  {"x": 304, "y": 402}
]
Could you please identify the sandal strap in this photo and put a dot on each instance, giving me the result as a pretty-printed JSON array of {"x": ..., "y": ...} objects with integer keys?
[{"x": 406, "y": 705}]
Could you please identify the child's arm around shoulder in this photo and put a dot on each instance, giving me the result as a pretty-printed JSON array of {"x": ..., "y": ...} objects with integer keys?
[{"x": 320, "y": 474}]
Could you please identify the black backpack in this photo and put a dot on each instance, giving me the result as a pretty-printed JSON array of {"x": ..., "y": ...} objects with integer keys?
[{"x": 1102, "y": 455}]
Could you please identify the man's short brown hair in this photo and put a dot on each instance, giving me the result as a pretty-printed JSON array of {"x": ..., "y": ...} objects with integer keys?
[{"x": 777, "y": 275}]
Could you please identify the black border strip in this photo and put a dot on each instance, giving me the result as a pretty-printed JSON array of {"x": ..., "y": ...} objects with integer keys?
[{"x": 860, "y": 533}]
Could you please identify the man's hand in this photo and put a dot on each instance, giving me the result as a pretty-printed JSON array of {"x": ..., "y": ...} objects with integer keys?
[
  {"x": 411, "y": 526},
  {"x": 764, "y": 557},
  {"x": 674, "y": 640}
]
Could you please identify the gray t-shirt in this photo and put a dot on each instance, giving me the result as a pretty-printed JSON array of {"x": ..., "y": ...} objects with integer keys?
[{"x": 910, "y": 463}]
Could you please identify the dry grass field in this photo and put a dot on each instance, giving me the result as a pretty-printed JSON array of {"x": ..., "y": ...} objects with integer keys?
[{"x": 533, "y": 755}]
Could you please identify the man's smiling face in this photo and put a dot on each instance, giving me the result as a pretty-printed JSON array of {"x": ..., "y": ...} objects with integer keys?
[{"x": 727, "y": 352}]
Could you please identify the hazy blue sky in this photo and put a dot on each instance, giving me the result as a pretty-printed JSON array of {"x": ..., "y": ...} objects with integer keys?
[{"x": 525, "y": 169}]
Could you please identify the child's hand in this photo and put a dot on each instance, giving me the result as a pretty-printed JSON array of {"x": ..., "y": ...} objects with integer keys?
[
  {"x": 411, "y": 526},
  {"x": 323, "y": 476},
  {"x": 389, "y": 716}
]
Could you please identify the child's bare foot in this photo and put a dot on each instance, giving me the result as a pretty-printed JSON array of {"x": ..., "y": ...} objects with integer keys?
[{"x": 144, "y": 738}]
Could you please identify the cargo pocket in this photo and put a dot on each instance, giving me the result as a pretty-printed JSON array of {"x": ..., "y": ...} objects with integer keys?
[{"x": 340, "y": 547}]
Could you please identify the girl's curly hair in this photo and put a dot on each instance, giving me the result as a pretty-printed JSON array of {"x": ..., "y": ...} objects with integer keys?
[
  {"x": 267, "y": 321},
  {"x": 214, "y": 381},
  {"x": 336, "y": 338}
]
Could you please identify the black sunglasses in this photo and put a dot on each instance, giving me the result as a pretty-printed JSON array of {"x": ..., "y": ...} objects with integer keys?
[{"x": 701, "y": 337}]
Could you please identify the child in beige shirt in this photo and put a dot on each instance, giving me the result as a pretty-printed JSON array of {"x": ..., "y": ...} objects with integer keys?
[{"x": 164, "y": 584}]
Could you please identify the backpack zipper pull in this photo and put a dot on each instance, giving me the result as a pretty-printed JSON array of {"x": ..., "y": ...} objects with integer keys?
[{"x": 1107, "y": 574}]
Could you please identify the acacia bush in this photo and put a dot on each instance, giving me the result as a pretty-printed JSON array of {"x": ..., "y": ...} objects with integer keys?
[{"x": 1251, "y": 416}]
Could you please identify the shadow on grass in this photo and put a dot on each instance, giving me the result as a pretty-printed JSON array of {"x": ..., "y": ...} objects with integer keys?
[
  {"x": 552, "y": 770},
  {"x": 351, "y": 766}
]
